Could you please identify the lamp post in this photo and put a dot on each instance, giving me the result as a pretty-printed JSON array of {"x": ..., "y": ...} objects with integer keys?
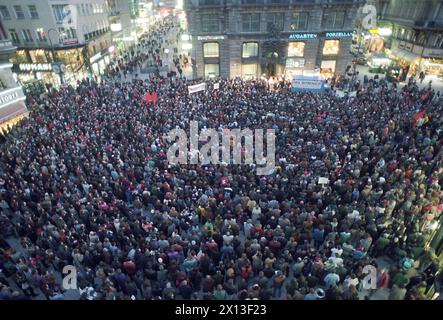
[{"x": 58, "y": 66}]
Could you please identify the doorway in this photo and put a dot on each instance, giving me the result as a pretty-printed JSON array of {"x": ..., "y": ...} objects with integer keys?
[{"x": 270, "y": 69}]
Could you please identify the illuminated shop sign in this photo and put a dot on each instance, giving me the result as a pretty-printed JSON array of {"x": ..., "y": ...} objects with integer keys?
[
  {"x": 205, "y": 38},
  {"x": 307, "y": 36},
  {"x": 35, "y": 67},
  {"x": 8, "y": 97},
  {"x": 303, "y": 36},
  {"x": 338, "y": 34}
]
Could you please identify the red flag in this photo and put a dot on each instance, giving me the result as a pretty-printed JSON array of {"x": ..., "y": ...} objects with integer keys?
[
  {"x": 151, "y": 97},
  {"x": 417, "y": 117}
]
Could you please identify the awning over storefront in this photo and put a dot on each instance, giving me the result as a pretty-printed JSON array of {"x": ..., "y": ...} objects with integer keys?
[
  {"x": 12, "y": 110},
  {"x": 405, "y": 54}
]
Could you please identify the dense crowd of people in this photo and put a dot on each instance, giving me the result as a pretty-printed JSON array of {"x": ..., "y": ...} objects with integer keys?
[
  {"x": 149, "y": 52},
  {"x": 85, "y": 181}
]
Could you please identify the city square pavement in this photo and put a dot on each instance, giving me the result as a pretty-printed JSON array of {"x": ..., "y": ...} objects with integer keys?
[{"x": 437, "y": 83}]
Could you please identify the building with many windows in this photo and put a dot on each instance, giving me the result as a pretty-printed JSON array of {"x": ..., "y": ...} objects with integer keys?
[
  {"x": 251, "y": 38},
  {"x": 415, "y": 37},
  {"x": 57, "y": 40},
  {"x": 12, "y": 99}
]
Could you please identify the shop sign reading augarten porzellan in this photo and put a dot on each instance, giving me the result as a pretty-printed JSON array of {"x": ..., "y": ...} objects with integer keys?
[
  {"x": 338, "y": 34},
  {"x": 328, "y": 35},
  {"x": 303, "y": 36}
]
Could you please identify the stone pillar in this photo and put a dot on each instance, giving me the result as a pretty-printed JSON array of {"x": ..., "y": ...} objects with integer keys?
[
  {"x": 225, "y": 51},
  {"x": 197, "y": 48},
  {"x": 344, "y": 58},
  {"x": 311, "y": 52},
  {"x": 235, "y": 62}
]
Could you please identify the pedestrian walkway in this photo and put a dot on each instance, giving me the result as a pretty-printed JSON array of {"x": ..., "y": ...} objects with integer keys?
[{"x": 437, "y": 83}]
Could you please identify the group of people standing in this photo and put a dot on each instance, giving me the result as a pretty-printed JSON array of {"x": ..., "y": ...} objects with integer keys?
[{"x": 85, "y": 181}]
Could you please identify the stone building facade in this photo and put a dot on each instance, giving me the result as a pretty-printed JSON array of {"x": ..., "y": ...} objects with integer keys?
[{"x": 251, "y": 38}]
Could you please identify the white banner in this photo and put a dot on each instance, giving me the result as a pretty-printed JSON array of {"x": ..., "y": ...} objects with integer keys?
[
  {"x": 216, "y": 86},
  {"x": 341, "y": 94},
  {"x": 307, "y": 84},
  {"x": 197, "y": 88}
]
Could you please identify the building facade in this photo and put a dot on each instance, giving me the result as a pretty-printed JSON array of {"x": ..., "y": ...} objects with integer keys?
[
  {"x": 58, "y": 41},
  {"x": 416, "y": 33},
  {"x": 253, "y": 38},
  {"x": 122, "y": 17},
  {"x": 12, "y": 99}
]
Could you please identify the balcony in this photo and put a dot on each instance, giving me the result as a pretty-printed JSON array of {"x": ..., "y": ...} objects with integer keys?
[{"x": 7, "y": 49}]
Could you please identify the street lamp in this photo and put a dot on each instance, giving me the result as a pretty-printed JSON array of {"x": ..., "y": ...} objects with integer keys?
[{"x": 58, "y": 67}]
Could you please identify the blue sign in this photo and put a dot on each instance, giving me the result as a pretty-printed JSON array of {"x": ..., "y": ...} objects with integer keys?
[
  {"x": 303, "y": 36},
  {"x": 338, "y": 34},
  {"x": 307, "y": 36},
  {"x": 305, "y": 83}
]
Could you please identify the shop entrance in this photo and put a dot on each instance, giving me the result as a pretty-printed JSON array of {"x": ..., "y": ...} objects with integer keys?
[{"x": 271, "y": 69}]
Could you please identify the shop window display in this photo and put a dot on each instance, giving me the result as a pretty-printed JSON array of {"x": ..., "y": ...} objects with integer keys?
[
  {"x": 249, "y": 70},
  {"x": 20, "y": 57},
  {"x": 331, "y": 47},
  {"x": 296, "y": 49},
  {"x": 38, "y": 56}
]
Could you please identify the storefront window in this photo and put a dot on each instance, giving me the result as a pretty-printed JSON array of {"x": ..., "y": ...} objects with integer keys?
[
  {"x": 249, "y": 70},
  {"x": 327, "y": 68},
  {"x": 72, "y": 59},
  {"x": 95, "y": 68},
  {"x": 331, "y": 47},
  {"x": 212, "y": 70},
  {"x": 211, "y": 50},
  {"x": 250, "y": 49},
  {"x": 38, "y": 56},
  {"x": 295, "y": 63},
  {"x": 20, "y": 57},
  {"x": 296, "y": 49},
  {"x": 433, "y": 66}
]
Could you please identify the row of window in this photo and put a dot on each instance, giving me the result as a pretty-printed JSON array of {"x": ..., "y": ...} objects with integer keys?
[
  {"x": 40, "y": 35},
  {"x": 19, "y": 12},
  {"x": 421, "y": 38},
  {"x": 96, "y": 33},
  {"x": 219, "y": 2},
  {"x": 408, "y": 9},
  {"x": 251, "y": 22},
  {"x": 27, "y": 35},
  {"x": 250, "y": 49},
  {"x": 61, "y": 11},
  {"x": 212, "y": 70}
]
